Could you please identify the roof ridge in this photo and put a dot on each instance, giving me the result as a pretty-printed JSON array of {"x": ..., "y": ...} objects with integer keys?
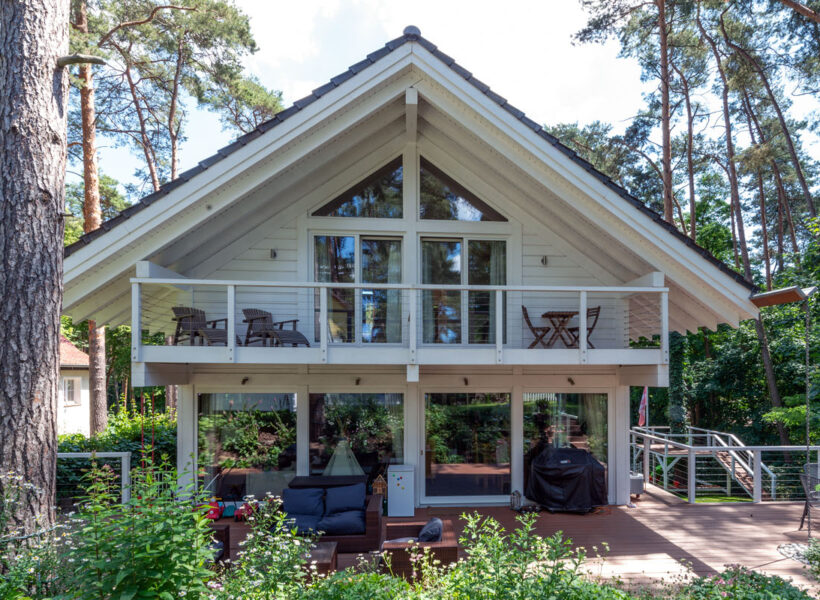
[{"x": 411, "y": 34}]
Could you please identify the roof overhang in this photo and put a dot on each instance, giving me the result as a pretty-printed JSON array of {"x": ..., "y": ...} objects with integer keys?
[{"x": 783, "y": 296}]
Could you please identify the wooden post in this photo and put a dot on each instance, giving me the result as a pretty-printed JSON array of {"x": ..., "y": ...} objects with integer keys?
[
  {"x": 231, "y": 323},
  {"x": 665, "y": 327},
  {"x": 412, "y": 331},
  {"x": 125, "y": 475},
  {"x": 691, "y": 474},
  {"x": 582, "y": 328},
  {"x": 499, "y": 326},
  {"x": 136, "y": 325},
  {"x": 323, "y": 322},
  {"x": 757, "y": 493},
  {"x": 647, "y": 448}
]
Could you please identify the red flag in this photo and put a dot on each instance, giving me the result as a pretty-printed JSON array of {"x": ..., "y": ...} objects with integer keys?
[{"x": 643, "y": 409}]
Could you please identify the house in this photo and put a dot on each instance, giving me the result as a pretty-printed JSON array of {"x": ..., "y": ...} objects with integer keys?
[
  {"x": 454, "y": 287},
  {"x": 73, "y": 399}
]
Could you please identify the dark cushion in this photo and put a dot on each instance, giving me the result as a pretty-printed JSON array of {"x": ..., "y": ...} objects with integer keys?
[
  {"x": 307, "y": 501},
  {"x": 346, "y": 497},
  {"x": 348, "y": 522},
  {"x": 431, "y": 532},
  {"x": 304, "y": 524}
]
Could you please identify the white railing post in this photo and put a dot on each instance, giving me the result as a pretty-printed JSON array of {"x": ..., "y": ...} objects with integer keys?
[
  {"x": 757, "y": 494},
  {"x": 582, "y": 328},
  {"x": 647, "y": 447},
  {"x": 499, "y": 326},
  {"x": 692, "y": 472},
  {"x": 412, "y": 330},
  {"x": 125, "y": 461},
  {"x": 665, "y": 327},
  {"x": 323, "y": 322},
  {"x": 136, "y": 322},
  {"x": 231, "y": 323}
]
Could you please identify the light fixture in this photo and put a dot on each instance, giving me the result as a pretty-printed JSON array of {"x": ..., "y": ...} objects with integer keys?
[
  {"x": 466, "y": 382},
  {"x": 245, "y": 380},
  {"x": 273, "y": 253},
  {"x": 544, "y": 260},
  {"x": 358, "y": 380},
  {"x": 571, "y": 380}
]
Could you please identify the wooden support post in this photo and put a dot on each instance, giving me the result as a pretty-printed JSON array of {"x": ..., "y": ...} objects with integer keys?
[
  {"x": 323, "y": 292},
  {"x": 136, "y": 325},
  {"x": 499, "y": 326},
  {"x": 125, "y": 476},
  {"x": 231, "y": 344},
  {"x": 692, "y": 474},
  {"x": 647, "y": 448},
  {"x": 757, "y": 490},
  {"x": 582, "y": 328},
  {"x": 665, "y": 327},
  {"x": 412, "y": 327}
]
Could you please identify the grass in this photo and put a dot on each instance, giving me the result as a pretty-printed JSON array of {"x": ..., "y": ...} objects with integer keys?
[{"x": 717, "y": 499}]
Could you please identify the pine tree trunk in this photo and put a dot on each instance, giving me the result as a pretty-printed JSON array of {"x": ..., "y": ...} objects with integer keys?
[
  {"x": 92, "y": 219},
  {"x": 668, "y": 205},
  {"x": 32, "y": 162}
]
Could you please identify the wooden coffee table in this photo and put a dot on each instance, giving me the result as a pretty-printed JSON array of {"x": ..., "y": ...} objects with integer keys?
[{"x": 324, "y": 553}]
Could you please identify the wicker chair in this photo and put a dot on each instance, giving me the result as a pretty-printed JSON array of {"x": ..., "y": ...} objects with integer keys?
[
  {"x": 192, "y": 325},
  {"x": 262, "y": 328},
  {"x": 810, "y": 482}
]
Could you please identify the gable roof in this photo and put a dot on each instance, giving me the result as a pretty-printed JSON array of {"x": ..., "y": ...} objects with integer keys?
[
  {"x": 70, "y": 355},
  {"x": 411, "y": 34}
]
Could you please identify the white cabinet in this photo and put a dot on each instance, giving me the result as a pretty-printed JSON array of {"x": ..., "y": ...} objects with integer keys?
[{"x": 400, "y": 491}]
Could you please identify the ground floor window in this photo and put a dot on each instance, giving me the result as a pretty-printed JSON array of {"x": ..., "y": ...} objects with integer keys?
[
  {"x": 564, "y": 421},
  {"x": 356, "y": 434},
  {"x": 467, "y": 444},
  {"x": 246, "y": 443}
]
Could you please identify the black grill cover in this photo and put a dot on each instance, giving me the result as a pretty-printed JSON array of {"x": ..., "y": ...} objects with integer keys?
[{"x": 567, "y": 479}]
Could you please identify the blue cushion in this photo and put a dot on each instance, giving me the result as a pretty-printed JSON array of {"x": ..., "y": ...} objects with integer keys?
[
  {"x": 348, "y": 522},
  {"x": 431, "y": 532},
  {"x": 304, "y": 523},
  {"x": 307, "y": 501},
  {"x": 346, "y": 497}
]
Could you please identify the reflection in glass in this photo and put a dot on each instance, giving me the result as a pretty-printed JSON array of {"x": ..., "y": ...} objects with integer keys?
[
  {"x": 487, "y": 265},
  {"x": 467, "y": 450},
  {"x": 378, "y": 196},
  {"x": 444, "y": 199},
  {"x": 381, "y": 309},
  {"x": 564, "y": 421},
  {"x": 355, "y": 434},
  {"x": 334, "y": 261},
  {"x": 246, "y": 443},
  {"x": 441, "y": 264}
]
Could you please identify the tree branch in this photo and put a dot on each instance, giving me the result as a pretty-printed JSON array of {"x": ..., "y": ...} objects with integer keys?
[
  {"x": 147, "y": 19},
  {"x": 78, "y": 59},
  {"x": 802, "y": 9}
]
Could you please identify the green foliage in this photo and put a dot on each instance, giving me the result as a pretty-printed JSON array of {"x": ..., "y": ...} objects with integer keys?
[
  {"x": 155, "y": 546},
  {"x": 740, "y": 583},
  {"x": 112, "y": 202},
  {"x": 245, "y": 438},
  {"x": 812, "y": 556}
]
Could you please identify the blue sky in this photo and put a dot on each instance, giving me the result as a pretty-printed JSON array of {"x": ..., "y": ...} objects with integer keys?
[{"x": 522, "y": 49}]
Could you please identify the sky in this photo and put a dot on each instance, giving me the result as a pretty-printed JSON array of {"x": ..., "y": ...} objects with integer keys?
[{"x": 522, "y": 49}]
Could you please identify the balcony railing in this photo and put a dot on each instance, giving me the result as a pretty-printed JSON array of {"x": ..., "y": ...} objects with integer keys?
[{"x": 350, "y": 323}]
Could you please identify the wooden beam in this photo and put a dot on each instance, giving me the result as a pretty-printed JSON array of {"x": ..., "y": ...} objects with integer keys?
[{"x": 411, "y": 99}]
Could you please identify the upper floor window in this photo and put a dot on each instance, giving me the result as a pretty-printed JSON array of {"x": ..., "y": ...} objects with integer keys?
[
  {"x": 71, "y": 391},
  {"x": 445, "y": 200},
  {"x": 377, "y": 197}
]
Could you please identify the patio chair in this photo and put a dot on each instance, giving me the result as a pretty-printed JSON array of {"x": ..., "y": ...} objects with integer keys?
[
  {"x": 809, "y": 480},
  {"x": 592, "y": 321},
  {"x": 537, "y": 332},
  {"x": 262, "y": 327},
  {"x": 191, "y": 322}
]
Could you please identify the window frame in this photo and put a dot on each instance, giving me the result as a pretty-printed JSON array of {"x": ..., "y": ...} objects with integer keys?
[{"x": 77, "y": 400}]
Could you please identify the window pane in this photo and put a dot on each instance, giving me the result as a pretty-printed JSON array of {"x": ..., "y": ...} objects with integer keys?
[
  {"x": 467, "y": 444},
  {"x": 378, "y": 196},
  {"x": 247, "y": 443},
  {"x": 355, "y": 434},
  {"x": 444, "y": 199},
  {"x": 334, "y": 261},
  {"x": 441, "y": 264},
  {"x": 564, "y": 421},
  {"x": 381, "y": 309},
  {"x": 487, "y": 265}
]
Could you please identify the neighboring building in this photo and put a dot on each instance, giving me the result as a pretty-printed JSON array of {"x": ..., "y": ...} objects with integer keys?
[
  {"x": 444, "y": 257},
  {"x": 73, "y": 399}
]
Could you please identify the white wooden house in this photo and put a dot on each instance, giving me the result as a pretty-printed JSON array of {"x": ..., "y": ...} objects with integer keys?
[
  {"x": 73, "y": 397},
  {"x": 405, "y": 214}
]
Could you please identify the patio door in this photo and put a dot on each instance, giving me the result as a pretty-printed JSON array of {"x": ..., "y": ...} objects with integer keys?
[{"x": 466, "y": 447}]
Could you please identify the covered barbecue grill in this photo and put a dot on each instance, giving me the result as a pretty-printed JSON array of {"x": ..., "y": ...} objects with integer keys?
[{"x": 567, "y": 479}]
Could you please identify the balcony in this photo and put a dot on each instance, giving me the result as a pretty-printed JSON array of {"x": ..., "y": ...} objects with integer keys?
[{"x": 409, "y": 324}]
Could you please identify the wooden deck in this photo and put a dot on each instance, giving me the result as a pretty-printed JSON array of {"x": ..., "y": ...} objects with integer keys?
[{"x": 649, "y": 543}]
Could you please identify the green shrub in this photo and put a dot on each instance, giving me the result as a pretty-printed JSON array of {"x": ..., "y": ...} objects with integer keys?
[
  {"x": 739, "y": 583},
  {"x": 812, "y": 556},
  {"x": 155, "y": 546},
  {"x": 350, "y": 585}
]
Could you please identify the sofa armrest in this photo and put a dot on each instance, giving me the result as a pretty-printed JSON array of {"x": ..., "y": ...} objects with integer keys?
[
  {"x": 373, "y": 516},
  {"x": 394, "y": 531}
]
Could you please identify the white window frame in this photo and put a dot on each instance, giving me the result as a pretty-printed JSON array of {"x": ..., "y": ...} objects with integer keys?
[{"x": 77, "y": 400}]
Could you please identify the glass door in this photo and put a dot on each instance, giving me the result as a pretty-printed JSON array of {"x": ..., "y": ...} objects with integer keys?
[
  {"x": 486, "y": 265},
  {"x": 441, "y": 264},
  {"x": 381, "y": 309},
  {"x": 466, "y": 445},
  {"x": 334, "y": 259}
]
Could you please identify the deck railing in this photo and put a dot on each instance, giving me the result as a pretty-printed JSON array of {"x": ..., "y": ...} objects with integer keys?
[
  {"x": 717, "y": 462},
  {"x": 400, "y": 319}
]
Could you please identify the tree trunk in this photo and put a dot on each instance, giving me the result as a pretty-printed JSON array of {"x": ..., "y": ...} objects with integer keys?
[
  {"x": 771, "y": 381},
  {"x": 92, "y": 219},
  {"x": 668, "y": 206},
  {"x": 32, "y": 163},
  {"x": 690, "y": 162}
]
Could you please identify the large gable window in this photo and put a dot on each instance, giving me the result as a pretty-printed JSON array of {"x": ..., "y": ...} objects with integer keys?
[
  {"x": 377, "y": 197},
  {"x": 443, "y": 199}
]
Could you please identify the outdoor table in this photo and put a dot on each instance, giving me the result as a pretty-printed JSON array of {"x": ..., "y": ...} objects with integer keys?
[
  {"x": 559, "y": 319},
  {"x": 325, "y": 555}
]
